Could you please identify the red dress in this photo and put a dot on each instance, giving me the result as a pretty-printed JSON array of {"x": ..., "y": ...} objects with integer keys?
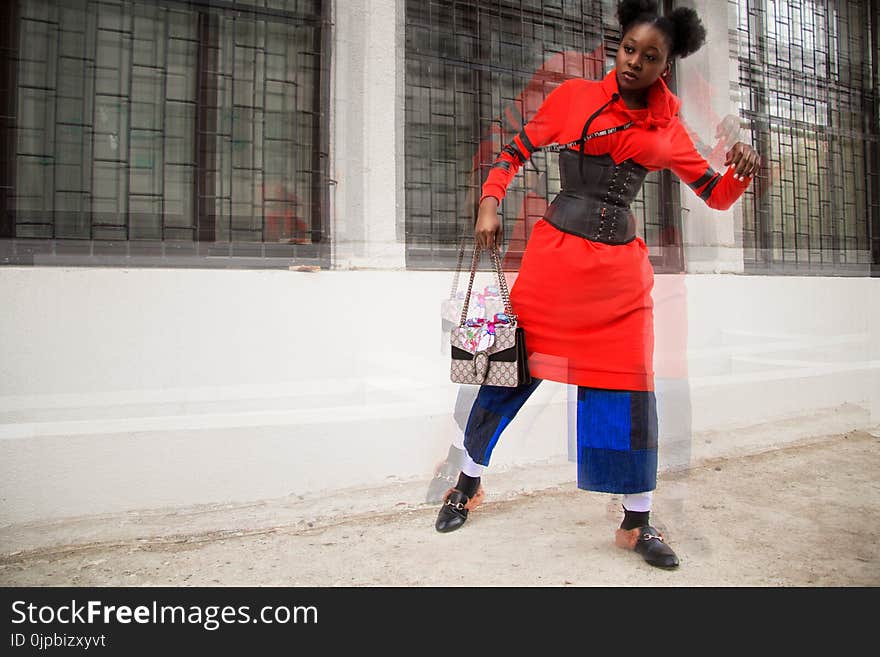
[{"x": 586, "y": 306}]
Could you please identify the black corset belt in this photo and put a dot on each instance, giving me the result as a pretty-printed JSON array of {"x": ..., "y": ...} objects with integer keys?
[{"x": 596, "y": 206}]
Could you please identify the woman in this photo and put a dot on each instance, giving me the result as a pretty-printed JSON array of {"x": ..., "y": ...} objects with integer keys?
[{"x": 583, "y": 294}]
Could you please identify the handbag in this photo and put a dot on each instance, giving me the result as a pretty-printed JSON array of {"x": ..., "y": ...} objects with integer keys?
[
  {"x": 485, "y": 303},
  {"x": 489, "y": 351}
]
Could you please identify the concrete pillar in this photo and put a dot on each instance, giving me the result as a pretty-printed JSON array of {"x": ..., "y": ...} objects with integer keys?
[
  {"x": 367, "y": 134},
  {"x": 706, "y": 85}
]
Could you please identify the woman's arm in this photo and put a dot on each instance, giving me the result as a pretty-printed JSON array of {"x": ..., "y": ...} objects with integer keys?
[
  {"x": 487, "y": 230},
  {"x": 717, "y": 191},
  {"x": 543, "y": 129}
]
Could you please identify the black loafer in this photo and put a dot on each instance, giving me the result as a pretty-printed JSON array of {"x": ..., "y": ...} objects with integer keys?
[
  {"x": 654, "y": 549},
  {"x": 649, "y": 543},
  {"x": 455, "y": 509}
]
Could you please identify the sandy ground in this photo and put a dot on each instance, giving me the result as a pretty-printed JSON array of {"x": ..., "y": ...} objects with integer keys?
[{"x": 805, "y": 515}]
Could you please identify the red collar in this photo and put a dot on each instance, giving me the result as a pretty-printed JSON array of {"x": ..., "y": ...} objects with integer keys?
[{"x": 663, "y": 105}]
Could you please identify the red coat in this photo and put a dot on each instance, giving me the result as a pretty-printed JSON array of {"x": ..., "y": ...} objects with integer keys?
[
  {"x": 658, "y": 140},
  {"x": 586, "y": 306}
]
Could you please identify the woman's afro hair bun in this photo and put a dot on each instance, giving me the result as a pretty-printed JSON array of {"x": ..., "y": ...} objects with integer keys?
[
  {"x": 690, "y": 35},
  {"x": 682, "y": 26},
  {"x": 629, "y": 10}
]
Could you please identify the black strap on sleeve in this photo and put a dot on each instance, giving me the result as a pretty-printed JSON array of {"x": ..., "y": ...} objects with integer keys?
[
  {"x": 702, "y": 180},
  {"x": 524, "y": 138},
  {"x": 706, "y": 193},
  {"x": 514, "y": 151}
]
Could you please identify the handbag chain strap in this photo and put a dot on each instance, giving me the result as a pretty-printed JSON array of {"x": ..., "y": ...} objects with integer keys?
[
  {"x": 454, "y": 290},
  {"x": 502, "y": 284}
]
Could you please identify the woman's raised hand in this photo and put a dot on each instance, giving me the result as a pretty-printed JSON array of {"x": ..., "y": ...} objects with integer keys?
[
  {"x": 728, "y": 130},
  {"x": 487, "y": 230},
  {"x": 744, "y": 158}
]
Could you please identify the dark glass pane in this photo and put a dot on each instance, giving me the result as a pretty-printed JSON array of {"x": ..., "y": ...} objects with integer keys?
[{"x": 154, "y": 121}]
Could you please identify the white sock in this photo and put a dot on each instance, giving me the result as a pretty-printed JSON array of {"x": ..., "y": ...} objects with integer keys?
[
  {"x": 470, "y": 468},
  {"x": 639, "y": 502},
  {"x": 458, "y": 438}
]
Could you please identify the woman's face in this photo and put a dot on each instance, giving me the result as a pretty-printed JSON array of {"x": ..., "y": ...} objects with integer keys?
[{"x": 643, "y": 57}]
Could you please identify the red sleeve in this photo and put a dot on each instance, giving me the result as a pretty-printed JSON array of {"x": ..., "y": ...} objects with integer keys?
[
  {"x": 718, "y": 191},
  {"x": 543, "y": 129}
]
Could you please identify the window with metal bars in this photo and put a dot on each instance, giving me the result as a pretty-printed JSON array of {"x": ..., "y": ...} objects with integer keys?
[
  {"x": 475, "y": 73},
  {"x": 171, "y": 132},
  {"x": 809, "y": 70}
]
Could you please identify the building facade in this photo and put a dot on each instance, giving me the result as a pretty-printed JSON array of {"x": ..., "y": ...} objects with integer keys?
[{"x": 227, "y": 230}]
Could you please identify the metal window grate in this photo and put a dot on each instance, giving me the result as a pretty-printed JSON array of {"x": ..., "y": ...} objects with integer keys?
[
  {"x": 156, "y": 129},
  {"x": 475, "y": 73},
  {"x": 812, "y": 104}
]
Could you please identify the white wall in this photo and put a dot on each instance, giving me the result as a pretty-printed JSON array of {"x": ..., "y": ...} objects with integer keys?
[
  {"x": 873, "y": 304},
  {"x": 130, "y": 389},
  {"x": 135, "y": 389}
]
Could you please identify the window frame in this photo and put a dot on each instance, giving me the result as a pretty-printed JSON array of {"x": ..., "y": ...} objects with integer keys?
[{"x": 203, "y": 249}]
